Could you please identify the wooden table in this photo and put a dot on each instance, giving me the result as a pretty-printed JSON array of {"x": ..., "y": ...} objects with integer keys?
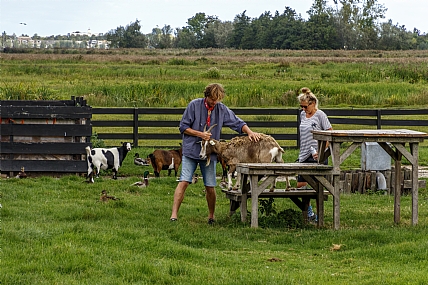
[
  {"x": 252, "y": 184},
  {"x": 392, "y": 141}
]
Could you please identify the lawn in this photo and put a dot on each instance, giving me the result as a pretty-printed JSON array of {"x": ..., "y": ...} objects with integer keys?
[{"x": 55, "y": 231}]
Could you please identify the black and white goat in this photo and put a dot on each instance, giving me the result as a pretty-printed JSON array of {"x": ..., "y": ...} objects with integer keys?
[
  {"x": 106, "y": 158},
  {"x": 242, "y": 150}
]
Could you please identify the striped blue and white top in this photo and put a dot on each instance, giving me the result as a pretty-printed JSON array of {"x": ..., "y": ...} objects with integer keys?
[{"x": 319, "y": 121}]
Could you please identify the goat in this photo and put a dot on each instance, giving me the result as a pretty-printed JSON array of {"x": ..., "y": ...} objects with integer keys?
[
  {"x": 105, "y": 158},
  {"x": 165, "y": 160},
  {"x": 242, "y": 150},
  {"x": 224, "y": 171}
]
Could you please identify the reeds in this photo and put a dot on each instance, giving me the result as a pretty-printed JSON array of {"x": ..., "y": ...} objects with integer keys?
[{"x": 171, "y": 78}]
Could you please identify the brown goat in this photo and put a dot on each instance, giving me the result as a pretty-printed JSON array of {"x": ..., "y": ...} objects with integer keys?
[
  {"x": 165, "y": 160},
  {"x": 241, "y": 149}
]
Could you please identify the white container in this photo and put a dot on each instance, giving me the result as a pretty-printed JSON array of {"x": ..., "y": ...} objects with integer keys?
[{"x": 374, "y": 157}]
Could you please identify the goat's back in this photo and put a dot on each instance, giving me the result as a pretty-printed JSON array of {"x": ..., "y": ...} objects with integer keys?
[{"x": 265, "y": 150}]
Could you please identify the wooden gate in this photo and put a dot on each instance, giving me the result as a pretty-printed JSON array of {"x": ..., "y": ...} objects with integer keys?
[{"x": 44, "y": 136}]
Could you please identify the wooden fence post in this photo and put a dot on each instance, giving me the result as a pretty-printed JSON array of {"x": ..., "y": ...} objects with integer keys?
[
  {"x": 135, "y": 127},
  {"x": 379, "y": 119}
]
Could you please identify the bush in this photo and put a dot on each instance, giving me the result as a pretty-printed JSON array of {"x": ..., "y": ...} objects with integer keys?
[{"x": 213, "y": 73}]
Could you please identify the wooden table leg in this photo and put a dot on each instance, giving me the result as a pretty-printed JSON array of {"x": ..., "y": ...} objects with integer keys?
[
  {"x": 320, "y": 204},
  {"x": 397, "y": 194},
  {"x": 336, "y": 161},
  {"x": 336, "y": 202},
  {"x": 415, "y": 184},
  {"x": 254, "y": 201},
  {"x": 245, "y": 187}
]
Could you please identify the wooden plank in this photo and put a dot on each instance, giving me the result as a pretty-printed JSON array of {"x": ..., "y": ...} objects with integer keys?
[
  {"x": 8, "y": 103},
  {"x": 347, "y": 185},
  {"x": 67, "y": 166},
  {"x": 348, "y": 152},
  {"x": 352, "y": 121},
  {"x": 408, "y": 184},
  {"x": 354, "y": 183},
  {"x": 414, "y": 149},
  {"x": 388, "y": 181},
  {"x": 276, "y": 194},
  {"x": 350, "y": 112},
  {"x": 43, "y": 148},
  {"x": 373, "y": 180},
  {"x": 407, "y": 123},
  {"x": 65, "y": 130},
  {"x": 402, "y": 112},
  {"x": 391, "y": 134},
  {"x": 48, "y": 112}
]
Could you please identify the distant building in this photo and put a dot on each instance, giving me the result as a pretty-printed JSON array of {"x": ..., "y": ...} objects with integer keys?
[{"x": 88, "y": 33}]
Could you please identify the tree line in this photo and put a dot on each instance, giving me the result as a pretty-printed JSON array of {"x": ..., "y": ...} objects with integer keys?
[{"x": 348, "y": 24}]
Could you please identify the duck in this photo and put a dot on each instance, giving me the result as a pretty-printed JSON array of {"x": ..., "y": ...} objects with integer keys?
[
  {"x": 105, "y": 198},
  {"x": 22, "y": 174},
  {"x": 195, "y": 178},
  {"x": 145, "y": 181},
  {"x": 140, "y": 161}
]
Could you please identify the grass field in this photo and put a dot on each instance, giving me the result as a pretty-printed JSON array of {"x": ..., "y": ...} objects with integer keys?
[
  {"x": 171, "y": 78},
  {"x": 55, "y": 230}
]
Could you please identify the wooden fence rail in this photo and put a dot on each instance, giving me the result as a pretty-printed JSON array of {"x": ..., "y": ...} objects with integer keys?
[
  {"x": 50, "y": 136},
  {"x": 161, "y": 124},
  {"x": 44, "y": 136}
]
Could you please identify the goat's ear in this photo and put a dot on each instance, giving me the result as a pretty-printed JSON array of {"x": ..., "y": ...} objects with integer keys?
[{"x": 212, "y": 142}]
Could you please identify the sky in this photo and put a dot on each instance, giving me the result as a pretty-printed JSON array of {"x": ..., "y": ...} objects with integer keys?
[{"x": 60, "y": 17}]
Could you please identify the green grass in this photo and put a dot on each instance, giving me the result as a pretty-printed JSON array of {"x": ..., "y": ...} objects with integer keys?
[
  {"x": 55, "y": 231},
  {"x": 172, "y": 78}
]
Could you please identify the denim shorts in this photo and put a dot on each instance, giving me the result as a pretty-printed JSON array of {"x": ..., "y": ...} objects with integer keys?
[{"x": 189, "y": 165}]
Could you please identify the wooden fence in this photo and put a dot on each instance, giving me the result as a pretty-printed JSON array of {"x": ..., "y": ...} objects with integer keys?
[
  {"x": 51, "y": 136},
  {"x": 160, "y": 125},
  {"x": 44, "y": 136}
]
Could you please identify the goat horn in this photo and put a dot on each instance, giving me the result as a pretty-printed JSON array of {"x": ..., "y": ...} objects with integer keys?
[{"x": 209, "y": 130}]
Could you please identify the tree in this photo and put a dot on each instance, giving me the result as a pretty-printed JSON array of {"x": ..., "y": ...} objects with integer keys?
[
  {"x": 128, "y": 37},
  {"x": 241, "y": 23},
  {"x": 184, "y": 38},
  {"x": 356, "y": 22},
  {"x": 320, "y": 29},
  {"x": 263, "y": 33},
  {"x": 394, "y": 37},
  {"x": 199, "y": 32},
  {"x": 153, "y": 39},
  {"x": 288, "y": 31},
  {"x": 166, "y": 37},
  {"x": 222, "y": 33}
]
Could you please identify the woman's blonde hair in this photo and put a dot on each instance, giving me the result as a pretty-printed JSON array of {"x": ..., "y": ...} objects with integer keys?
[
  {"x": 306, "y": 95},
  {"x": 214, "y": 91}
]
